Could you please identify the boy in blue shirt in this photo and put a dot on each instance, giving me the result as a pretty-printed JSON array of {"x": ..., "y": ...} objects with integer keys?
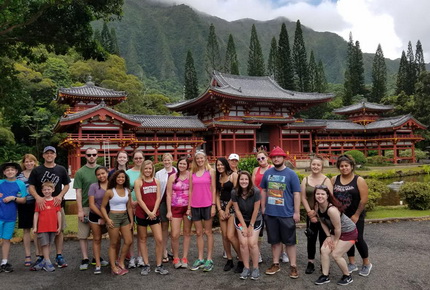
[{"x": 12, "y": 191}]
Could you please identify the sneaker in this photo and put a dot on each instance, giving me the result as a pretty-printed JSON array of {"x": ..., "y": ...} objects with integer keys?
[
  {"x": 284, "y": 258},
  {"x": 345, "y": 280},
  {"x": 84, "y": 264},
  {"x": 260, "y": 259},
  {"x": 48, "y": 267},
  {"x": 161, "y": 270},
  {"x": 255, "y": 274},
  {"x": 323, "y": 279},
  {"x": 310, "y": 268},
  {"x": 293, "y": 272},
  {"x": 273, "y": 269},
  {"x": 224, "y": 255},
  {"x": 229, "y": 265},
  {"x": 365, "y": 270},
  {"x": 177, "y": 263},
  {"x": 145, "y": 270},
  {"x": 184, "y": 263},
  {"x": 239, "y": 267},
  {"x": 97, "y": 270},
  {"x": 59, "y": 260},
  {"x": 209, "y": 265},
  {"x": 7, "y": 268},
  {"x": 139, "y": 262},
  {"x": 352, "y": 268},
  {"x": 132, "y": 263},
  {"x": 198, "y": 264},
  {"x": 103, "y": 263},
  {"x": 35, "y": 266},
  {"x": 245, "y": 274}
]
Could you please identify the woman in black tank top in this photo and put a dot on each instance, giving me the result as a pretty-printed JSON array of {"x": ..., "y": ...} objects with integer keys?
[{"x": 352, "y": 191}]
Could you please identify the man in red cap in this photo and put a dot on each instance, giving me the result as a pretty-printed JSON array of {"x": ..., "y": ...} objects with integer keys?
[{"x": 280, "y": 204}]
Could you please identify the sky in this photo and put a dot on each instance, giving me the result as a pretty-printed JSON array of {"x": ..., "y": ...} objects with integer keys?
[{"x": 391, "y": 23}]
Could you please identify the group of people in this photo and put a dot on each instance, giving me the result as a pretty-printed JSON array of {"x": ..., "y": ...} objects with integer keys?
[{"x": 115, "y": 200}]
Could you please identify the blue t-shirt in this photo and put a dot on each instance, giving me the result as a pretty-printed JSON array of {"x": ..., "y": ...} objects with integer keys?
[
  {"x": 10, "y": 188},
  {"x": 280, "y": 187}
]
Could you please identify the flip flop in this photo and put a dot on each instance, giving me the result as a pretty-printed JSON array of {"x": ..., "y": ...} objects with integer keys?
[
  {"x": 27, "y": 261},
  {"x": 165, "y": 259}
]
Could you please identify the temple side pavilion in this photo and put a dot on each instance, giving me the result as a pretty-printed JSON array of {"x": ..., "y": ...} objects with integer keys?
[{"x": 235, "y": 114}]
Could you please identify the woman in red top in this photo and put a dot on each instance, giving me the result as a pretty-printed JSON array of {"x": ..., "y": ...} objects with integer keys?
[{"x": 148, "y": 197}]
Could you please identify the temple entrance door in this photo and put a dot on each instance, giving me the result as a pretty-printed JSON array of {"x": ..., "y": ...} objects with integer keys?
[{"x": 263, "y": 138}]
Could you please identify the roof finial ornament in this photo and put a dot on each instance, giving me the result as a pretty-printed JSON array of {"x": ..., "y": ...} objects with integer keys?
[
  {"x": 89, "y": 81},
  {"x": 102, "y": 103}
]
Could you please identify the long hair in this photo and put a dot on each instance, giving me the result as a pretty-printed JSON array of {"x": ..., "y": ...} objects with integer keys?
[
  {"x": 331, "y": 198},
  {"x": 112, "y": 180},
  {"x": 249, "y": 188},
  {"x": 116, "y": 160},
  {"x": 227, "y": 169},
  {"x": 28, "y": 156},
  {"x": 101, "y": 168},
  {"x": 195, "y": 167},
  {"x": 347, "y": 158},
  {"x": 135, "y": 152},
  {"x": 147, "y": 162},
  {"x": 177, "y": 166}
]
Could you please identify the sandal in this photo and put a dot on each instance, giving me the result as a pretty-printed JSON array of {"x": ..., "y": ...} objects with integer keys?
[
  {"x": 27, "y": 261},
  {"x": 165, "y": 259}
]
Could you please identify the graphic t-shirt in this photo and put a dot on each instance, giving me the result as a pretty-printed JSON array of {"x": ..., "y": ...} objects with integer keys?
[
  {"x": 348, "y": 195},
  {"x": 10, "y": 188},
  {"x": 280, "y": 186},
  {"x": 84, "y": 177},
  {"x": 48, "y": 222}
]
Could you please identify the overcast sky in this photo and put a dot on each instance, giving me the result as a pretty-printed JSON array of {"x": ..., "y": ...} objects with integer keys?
[{"x": 391, "y": 23}]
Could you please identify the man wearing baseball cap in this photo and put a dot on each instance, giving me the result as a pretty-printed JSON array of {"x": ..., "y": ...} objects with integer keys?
[
  {"x": 233, "y": 160},
  {"x": 280, "y": 204},
  {"x": 57, "y": 174}
]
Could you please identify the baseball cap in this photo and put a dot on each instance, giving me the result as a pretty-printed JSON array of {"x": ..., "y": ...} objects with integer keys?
[
  {"x": 49, "y": 148},
  {"x": 233, "y": 156}
]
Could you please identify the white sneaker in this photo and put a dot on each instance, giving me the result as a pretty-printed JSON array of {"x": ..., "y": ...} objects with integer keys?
[
  {"x": 284, "y": 258},
  {"x": 140, "y": 262},
  {"x": 132, "y": 263},
  {"x": 224, "y": 255},
  {"x": 260, "y": 259}
]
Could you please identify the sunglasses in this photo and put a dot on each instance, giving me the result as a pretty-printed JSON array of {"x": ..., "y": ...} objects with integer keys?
[
  {"x": 321, "y": 186},
  {"x": 261, "y": 158},
  {"x": 92, "y": 155}
]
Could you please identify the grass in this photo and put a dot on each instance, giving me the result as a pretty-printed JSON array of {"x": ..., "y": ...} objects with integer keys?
[
  {"x": 71, "y": 223},
  {"x": 399, "y": 211}
]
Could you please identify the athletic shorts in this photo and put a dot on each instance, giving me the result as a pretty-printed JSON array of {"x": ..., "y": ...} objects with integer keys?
[
  {"x": 94, "y": 218},
  {"x": 349, "y": 236},
  {"x": 201, "y": 213},
  {"x": 280, "y": 230},
  {"x": 119, "y": 219},
  {"x": 146, "y": 222},
  {"x": 84, "y": 228},
  {"x": 224, "y": 205},
  {"x": 46, "y": 238},
  {"x": 163, "y": 211},
  {"x": 179, "y": 211},
  {"x": 257, "y": 225},
  {"x": 26, "y": 214},
  {"x": 6, "y": 230}
]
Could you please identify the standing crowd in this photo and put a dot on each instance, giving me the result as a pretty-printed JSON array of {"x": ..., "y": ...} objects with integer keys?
[{"x": 120, "y": 200}]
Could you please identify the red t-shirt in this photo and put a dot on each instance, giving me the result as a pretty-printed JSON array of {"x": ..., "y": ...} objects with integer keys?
[
  {"x": 148, "y": 192},
  {"x": 47, "y": 222}
]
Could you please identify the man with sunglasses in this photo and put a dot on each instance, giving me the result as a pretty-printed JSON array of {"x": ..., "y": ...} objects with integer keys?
[
  {"x": 280, "y": 204},
  {"x": 57, "y": 174},
  {"x": 84, "y": 177}
]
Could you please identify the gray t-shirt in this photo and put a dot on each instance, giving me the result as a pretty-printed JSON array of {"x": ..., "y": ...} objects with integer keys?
[{"x": 246, "y": 206}]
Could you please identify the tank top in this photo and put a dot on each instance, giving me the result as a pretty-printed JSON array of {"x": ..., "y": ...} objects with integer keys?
[
  {"x": 118, "y": 203},
  {"x": 225, "y": 189},
  {"x": 148, "y": 191},
  {"x": 202, "y": 195},
  {"x": 259, "y": 176},
  {"x": 310, "y": 191},
  {"x": 180, "y": 192},
  {"x": 346, "y": 224},
  {"x": 348, "y": 195}
]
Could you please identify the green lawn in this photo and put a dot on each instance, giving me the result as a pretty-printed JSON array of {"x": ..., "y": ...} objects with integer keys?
[{"x": 400, "y": 211}]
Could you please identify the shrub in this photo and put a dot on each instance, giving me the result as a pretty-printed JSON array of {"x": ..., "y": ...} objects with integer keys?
[
  {"x": 416, "y": 195},
  {"x": 376, "y": 190},
  {"x": 248, "y": 163},
  {"x": 358, "y": 156},
  {"x": 377, "y": 160},
  {"x": 419, "y": 154}
]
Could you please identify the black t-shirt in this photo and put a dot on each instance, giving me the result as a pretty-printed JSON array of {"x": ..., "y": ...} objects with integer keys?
[
  {"x": 246, "y": 206},
  {"x": 57, "y": 175}
]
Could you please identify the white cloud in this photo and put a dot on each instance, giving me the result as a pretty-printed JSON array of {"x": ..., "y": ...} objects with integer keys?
[{"x": 391, "y": 23}]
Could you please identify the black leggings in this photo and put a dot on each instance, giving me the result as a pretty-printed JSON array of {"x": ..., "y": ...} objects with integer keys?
[
  {"x": 360, "y": 244},
  {"x": 312, "y": 240}
]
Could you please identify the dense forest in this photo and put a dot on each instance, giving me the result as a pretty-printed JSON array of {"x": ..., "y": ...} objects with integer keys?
[{"x": 160, "y": 54}]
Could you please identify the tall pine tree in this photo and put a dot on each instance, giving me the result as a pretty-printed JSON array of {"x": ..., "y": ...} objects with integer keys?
[
  {"x": 273, "y": 57},
  {"x": 419, "y": 58},
  {"x": 300, "y": 60},
  {"x": 190, "y": 78},
  {"x": 212, "y": 57},
  {"x": 411, "y": 71},
  {"x": 321, "y": 80},
  {"x": 231, "y": 64},
  {"x": 379, "y": 76},
  {"x": 106, "y": 39},
  {"x": 285, "y": 71},
  {"x": 402, "y": 74},
  {"x": 312, "y": 68},
  {"x": 255, "y": 58},
  {"x": 354, "y": 73},
  {"x": 115, "y": 48}
]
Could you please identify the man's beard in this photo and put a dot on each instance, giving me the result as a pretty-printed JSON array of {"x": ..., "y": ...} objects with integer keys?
[{"x": 277, "y": 166}]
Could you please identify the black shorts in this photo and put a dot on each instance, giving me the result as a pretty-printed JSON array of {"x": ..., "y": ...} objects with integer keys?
[
  {"x": 26, "y": 214},
  {"x": 94, "y": 218},
  {"x": 163, "y": 211},
  {"x": 146, "y": 222},
  {"x": 280, "y": 230},
  {"x": 201, "y": 213},
  {"x": 257, "y": 226}
]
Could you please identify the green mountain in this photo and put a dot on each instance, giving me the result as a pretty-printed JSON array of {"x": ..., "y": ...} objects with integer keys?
[{"x": 154, "y": 39}]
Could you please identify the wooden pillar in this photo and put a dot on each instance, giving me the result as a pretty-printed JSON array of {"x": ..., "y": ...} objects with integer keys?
[
  {"x": 219, "y": 147},
  {"x": 234, "y": 141},
  {"x": 414, "y": 160},
  {"x": 310, "y": 142},
  {"x": 299, "y": 139}
]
